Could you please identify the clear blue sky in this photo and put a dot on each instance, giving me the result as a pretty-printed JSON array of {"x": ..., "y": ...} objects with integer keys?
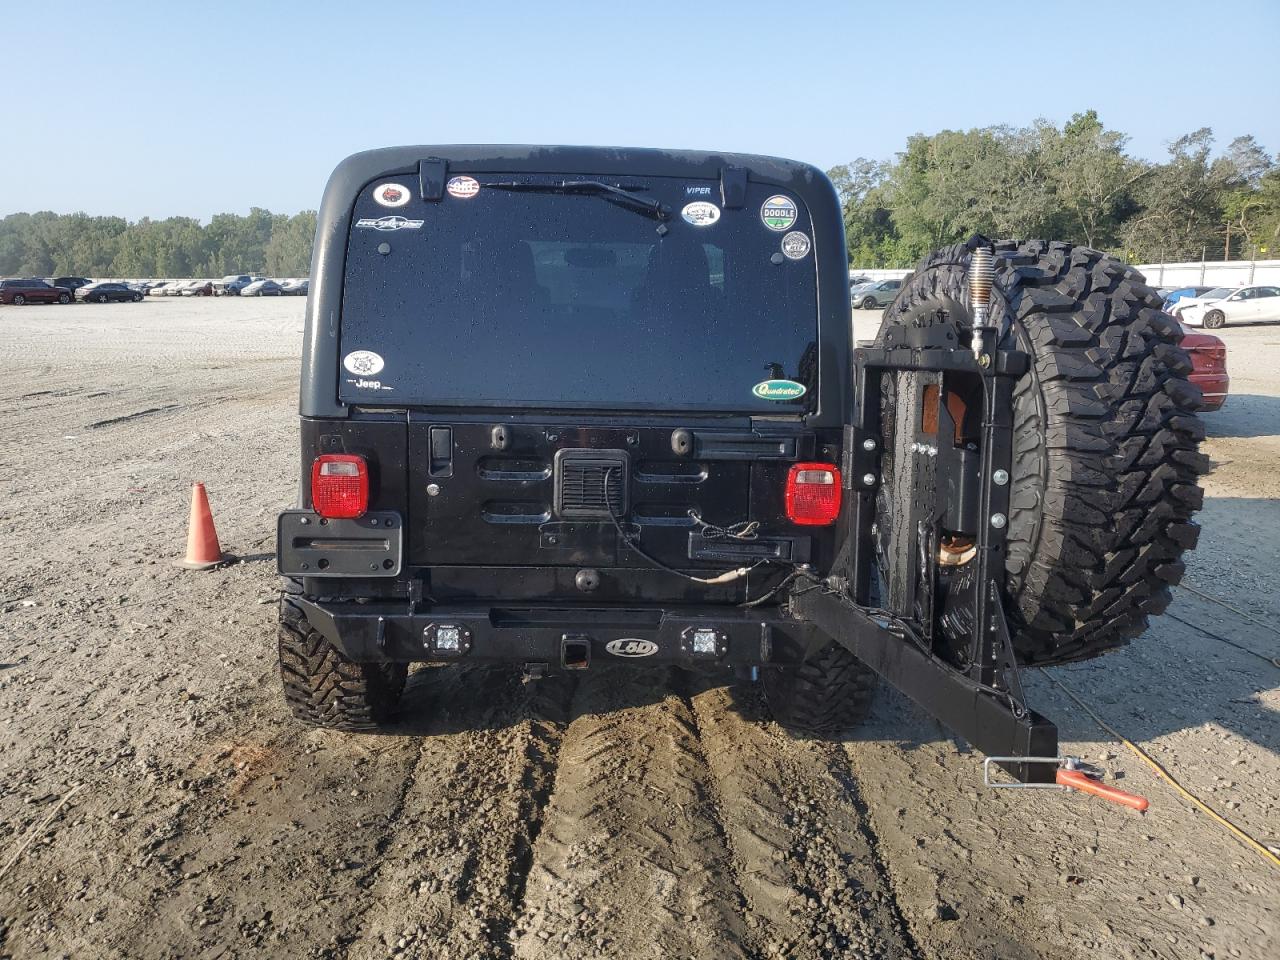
[{"x": 158, "y": 109}]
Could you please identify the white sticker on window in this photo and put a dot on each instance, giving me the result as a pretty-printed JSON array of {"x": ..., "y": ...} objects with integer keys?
[
  {"x": 795, "y": 245},
  {"x": 391, "y": 195},
  {"x": 364, "y": 363},
  {"x": 463, "y": 187},
  {"x": 700, "y": 213}
]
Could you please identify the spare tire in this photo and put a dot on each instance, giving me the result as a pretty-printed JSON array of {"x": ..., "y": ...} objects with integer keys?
[{"x": 1105, "y": 449}]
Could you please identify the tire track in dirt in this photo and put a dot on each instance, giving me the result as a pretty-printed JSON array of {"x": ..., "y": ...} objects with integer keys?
[
  {"x": 303, "y": 845},
  {"x": 808, "y": 865},
  {"x": 453, "y": 871},
  {"x": 631, "y": 859}
]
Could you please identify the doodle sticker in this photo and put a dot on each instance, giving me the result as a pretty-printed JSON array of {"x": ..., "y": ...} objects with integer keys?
[
  {"x": 363, "y": 363},
  {"x": 795, "y": 245},
  {"x": 463, "y": 188},
  {"x": 700, "y": 213},
  {"x": 779, "y": 213},
  {"x": 391, "y": 195}
]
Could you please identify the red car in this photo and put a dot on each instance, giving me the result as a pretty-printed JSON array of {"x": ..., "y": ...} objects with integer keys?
[
  {"x": 1209, "y": 362},
  {"x": 32, "y": 291}
]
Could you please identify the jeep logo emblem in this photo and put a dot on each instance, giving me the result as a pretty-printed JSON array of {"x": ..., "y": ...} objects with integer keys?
[{"x": 628, "y": 647}]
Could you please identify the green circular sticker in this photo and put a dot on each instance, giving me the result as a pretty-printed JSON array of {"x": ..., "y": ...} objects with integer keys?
[{"x": 779, "y": 213}]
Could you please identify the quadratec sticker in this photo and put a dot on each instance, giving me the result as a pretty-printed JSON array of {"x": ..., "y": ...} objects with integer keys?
[
  {"x": 391, "y": 194},
  {"x": 463, "y": 187},
  {"x": 779, "y": 213},
  {"x": 795, "y": 245},
  {"x": 700, "y": 213},
  {"x": 779, "y": 390}
]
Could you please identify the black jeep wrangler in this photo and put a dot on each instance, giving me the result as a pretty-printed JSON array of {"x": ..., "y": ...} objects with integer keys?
[{"x": 564, "y": 406}]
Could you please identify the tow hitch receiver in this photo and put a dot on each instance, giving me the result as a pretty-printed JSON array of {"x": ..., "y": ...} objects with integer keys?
[{"x": 1069, "y": 775}]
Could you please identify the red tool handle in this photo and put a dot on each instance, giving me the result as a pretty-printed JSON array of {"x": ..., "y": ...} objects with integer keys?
[{"x": 1078, "y": 780}]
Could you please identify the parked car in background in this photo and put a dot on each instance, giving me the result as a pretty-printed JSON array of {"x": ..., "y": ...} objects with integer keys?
[
  {"x": 1209, "y": 366},
  {"x": 198, "y": 288},
  {"x": 877, "y": 294},
  {"x": 1174, "y": 294},
  {"x": 71, "y": 283},
  {"x": 19, "y": 292},
  {"x": 233, "y": 286},
  {"x": 237, "y": 280},
  {"x": 262, "y": 288},
  {"x": 858, "y": 281},
  {"x": 1223, "y": 305},
  {"x": 296, "y": 287},
  {"x": 107, "y": 292},
  {"x": 156, "y": 288}
]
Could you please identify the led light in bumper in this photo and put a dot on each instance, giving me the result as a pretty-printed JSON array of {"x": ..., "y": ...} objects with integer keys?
[
  {"x": 705, "y": 643},
  {"x": 446, "y": 639}
]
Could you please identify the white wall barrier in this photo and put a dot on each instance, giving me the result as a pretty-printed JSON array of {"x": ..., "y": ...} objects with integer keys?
[{"x": 1214, "y": 273}]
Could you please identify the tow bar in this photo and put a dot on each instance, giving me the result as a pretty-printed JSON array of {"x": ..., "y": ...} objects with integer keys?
[{"x": 1070, "y": 774}]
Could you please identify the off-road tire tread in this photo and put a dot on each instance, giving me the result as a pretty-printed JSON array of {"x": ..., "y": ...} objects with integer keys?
[
  {"x": 326, "y": 689},
  {"x": 828, "y": 693},
  {"x": 1105, "y": 459}
]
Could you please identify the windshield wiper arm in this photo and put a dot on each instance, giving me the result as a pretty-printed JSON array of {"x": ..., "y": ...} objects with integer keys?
[{"x": 653, "y": 207}]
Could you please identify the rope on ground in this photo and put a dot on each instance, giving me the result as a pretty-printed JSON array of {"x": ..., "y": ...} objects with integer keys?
[
  {"x": 1274, "y": 661},
  {"x": 1236, "y": 610},
  {"x": 44, "y": 825},
  {"x": 1166, "y": 775}
]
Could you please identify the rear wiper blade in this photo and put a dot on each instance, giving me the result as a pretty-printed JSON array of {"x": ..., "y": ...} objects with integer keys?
[{"x": 653, "y": 207}]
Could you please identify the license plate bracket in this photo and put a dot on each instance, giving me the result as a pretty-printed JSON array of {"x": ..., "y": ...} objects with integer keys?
[{"x": 309, "y": 545}]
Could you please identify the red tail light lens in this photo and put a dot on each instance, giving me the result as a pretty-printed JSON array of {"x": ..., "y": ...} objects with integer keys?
[
  {"x": 813, "y": 494},
  {"x": 339, "y": 486}
]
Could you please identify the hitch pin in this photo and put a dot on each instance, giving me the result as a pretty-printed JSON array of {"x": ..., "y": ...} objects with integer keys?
[{"x": 1070, "y": 775}]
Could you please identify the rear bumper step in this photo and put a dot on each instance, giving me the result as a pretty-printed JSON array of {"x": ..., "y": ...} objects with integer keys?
[{"x": 563, "y": 637}]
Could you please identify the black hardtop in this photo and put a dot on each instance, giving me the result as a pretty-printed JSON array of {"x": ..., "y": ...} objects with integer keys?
[{"x": 320, "y": 355}]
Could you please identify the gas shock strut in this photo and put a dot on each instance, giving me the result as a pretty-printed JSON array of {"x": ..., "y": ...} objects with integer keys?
[{"x": 981, "y": 274}]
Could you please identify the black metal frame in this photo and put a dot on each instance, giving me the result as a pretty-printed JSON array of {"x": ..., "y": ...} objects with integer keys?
[{"x": 954, "y": 658}]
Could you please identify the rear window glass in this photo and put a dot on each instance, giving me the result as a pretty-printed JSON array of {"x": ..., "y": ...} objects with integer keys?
[{"x": 519, "y": 297}]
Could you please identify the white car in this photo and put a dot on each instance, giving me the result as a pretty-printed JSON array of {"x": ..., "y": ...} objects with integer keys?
[{"x": 1225, "y": 305}]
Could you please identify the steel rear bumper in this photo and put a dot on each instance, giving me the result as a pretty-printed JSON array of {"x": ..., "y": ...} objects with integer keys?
[{"x": 563, "y": 637}]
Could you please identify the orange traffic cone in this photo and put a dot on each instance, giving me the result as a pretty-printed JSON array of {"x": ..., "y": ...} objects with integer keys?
[{"x": 203, "y": 550}]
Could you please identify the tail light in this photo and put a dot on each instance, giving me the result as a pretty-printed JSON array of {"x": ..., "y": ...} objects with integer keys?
[
  {"x": 339, "y": 486},
  {"x": 813, "y": 494}
]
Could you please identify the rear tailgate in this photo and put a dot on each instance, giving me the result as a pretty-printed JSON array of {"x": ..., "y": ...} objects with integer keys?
[{"x": 533, "y": 494}]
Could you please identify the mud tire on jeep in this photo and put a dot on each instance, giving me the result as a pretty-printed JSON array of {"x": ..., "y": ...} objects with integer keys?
[
  {"x": 326, "y": 689},
  {"x": 1105, "y": 455},
  {"x": 828, "y": 693}
]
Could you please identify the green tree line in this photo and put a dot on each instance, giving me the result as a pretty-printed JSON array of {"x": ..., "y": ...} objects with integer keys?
[
  {"x": 48, "y": 244},
  {"x": 1076, "y": 183}
]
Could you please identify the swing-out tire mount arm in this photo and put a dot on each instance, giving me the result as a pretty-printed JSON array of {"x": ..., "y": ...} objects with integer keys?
[
  {"x": 990, "y": 723},
  {"x": 982, "y": 701}
]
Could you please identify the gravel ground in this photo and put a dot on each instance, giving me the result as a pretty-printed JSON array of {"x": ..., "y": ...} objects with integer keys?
[{"x": 157, "y": 801}]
